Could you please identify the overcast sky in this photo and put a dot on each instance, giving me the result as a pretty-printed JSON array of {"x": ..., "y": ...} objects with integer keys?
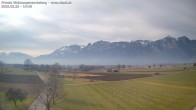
[{"x": 42, "y": 29}]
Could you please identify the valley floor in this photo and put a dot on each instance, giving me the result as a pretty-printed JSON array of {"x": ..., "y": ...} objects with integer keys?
[{"x": 170, "y": 91}]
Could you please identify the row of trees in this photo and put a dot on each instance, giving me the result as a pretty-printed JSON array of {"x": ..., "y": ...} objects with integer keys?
[
  {"x": 29, "y": 66},
  {"x": 52, "y": 88}
]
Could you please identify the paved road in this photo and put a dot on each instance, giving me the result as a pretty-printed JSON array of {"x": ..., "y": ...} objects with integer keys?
[
  {"x": 44, "y": 79},
  {"x": 37, "y": 104},
  {"x": 194, "y": 108}
]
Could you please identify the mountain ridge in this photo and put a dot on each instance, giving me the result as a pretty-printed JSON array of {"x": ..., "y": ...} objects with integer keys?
[
  {"x": 166, "y": 44},
  {"x": 165, "y": 50}
]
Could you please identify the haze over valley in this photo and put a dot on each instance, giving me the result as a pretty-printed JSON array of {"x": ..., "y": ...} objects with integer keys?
[{"x": 141, "y": 52}]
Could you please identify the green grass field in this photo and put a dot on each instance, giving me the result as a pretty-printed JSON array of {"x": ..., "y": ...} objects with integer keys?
[
  {"x": 170, "y": 91},
  {"x": 28, "y": 88},
  {"x": 17, "y": 71},
  {"x": 9, "y": 105}
]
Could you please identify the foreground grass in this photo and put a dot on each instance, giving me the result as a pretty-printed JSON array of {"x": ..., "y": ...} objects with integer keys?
[
  {"x": 172, "y": 91},
  {"x": 25, "y": 87},
  {"x": 9, "y": 105}
]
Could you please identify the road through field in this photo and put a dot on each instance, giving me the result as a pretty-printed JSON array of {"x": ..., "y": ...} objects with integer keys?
[
  {"x": 194, "y": 108},
  {"x": 37, "y": 104}
]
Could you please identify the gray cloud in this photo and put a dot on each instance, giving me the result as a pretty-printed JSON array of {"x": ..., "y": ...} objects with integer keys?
[
  {"x": 16, "y": 39},
  {"x": 90, "y": 20},
  {"x": 176, "y": 17}
]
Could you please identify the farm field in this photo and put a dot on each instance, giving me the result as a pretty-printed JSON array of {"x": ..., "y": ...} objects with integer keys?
[
  {"x": 174, "y": 90},
  {"x": 17, "y": 71},
  {"x": 18, "y": 79}
]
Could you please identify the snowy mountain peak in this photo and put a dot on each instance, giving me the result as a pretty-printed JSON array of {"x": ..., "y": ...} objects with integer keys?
[
  {"x": 72, "y": 49},
  {"x": 143, "y": 42}
]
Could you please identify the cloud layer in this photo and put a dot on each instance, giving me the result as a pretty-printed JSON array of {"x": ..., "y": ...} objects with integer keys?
[{"x": 42, "y": 29}]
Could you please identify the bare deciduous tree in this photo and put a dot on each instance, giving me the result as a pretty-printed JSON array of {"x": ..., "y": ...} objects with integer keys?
[
  {"x": 48, "y": 95},
  {"x": 54, "y": 80},
  {"x": 2, "y": 66},
  {"x": 45, "y": 96},
  {"x": 15, "y": 95},
  {"x": 28, "y": 64}
]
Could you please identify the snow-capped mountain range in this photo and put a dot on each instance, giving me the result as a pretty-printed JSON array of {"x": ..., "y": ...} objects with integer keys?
[
  {"x": 166, "y": 50},
  {"x": 182, "y": 47}
]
